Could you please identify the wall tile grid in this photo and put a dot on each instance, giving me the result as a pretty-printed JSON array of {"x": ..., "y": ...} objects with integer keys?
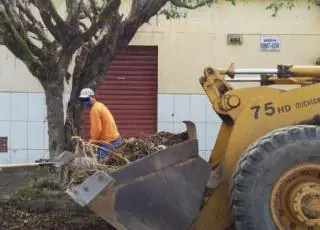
[
  {"x": 23, "y": 121},
  {"x": 174, "y": 108}
]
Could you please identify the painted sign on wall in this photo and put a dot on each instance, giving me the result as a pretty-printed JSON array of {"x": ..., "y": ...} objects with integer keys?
[
  {"x": 269, "y": 43},
  {"x": 3, "y": 144}
]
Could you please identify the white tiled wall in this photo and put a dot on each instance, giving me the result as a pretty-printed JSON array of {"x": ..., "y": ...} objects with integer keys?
[
  {"x": 23, "y": 121},
  {"x": 174, "y": 108}
]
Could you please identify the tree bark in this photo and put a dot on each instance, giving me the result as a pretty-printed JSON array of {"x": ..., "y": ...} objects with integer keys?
[
  {"x": 74, "y": 109},
  {"x": 73, "y": 121},
  {"x": 54, "y": 102}
]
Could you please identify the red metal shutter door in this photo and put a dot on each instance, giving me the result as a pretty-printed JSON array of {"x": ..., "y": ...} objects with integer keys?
[{"x": 130, "y": 92}]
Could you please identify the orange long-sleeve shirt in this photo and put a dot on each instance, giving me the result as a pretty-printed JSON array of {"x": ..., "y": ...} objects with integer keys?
[{"x": 103, "y": 126}]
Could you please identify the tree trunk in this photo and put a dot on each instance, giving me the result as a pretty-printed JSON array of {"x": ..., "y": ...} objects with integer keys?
[
  {"x": 74, "y": 109},
  {"x": 73, "y": 121},
  {"x": 54, "y": 102}
]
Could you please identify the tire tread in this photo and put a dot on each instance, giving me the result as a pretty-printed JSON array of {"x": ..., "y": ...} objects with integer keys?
[{"x": 246, "y": 168}]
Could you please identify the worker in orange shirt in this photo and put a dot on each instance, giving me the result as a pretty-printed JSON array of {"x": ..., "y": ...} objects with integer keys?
[{"x": 103, "y": 128}]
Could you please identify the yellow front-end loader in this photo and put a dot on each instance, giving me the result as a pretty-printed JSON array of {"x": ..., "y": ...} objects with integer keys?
[{"x": 263, "y": 173}]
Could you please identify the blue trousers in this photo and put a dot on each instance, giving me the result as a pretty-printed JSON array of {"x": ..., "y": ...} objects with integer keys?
[{"x": 103, "y": 149}]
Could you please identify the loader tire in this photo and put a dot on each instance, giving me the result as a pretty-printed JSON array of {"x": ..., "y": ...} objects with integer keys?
[{"x": 259, "y": 169}]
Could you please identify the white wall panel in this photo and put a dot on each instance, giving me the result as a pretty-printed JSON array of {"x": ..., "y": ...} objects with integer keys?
[{"x": 19, "y": 106}]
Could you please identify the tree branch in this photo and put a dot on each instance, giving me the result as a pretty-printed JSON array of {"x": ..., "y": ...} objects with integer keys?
[
  {"x": 2, "y": 34},
  {"x": 19, "y": 46},
  {"x": 34, "y": 25},
  {"x": 186, "y": 3},
  {"x": 10, "y": 14},
  {"x": 141, "y": 12},
  {"x": 51, "y": 10},
  {"x": 94, "y": 9},
  {"x": 75, "y": 10},
  {"x": 72, "y": 8},
  {"x": 48, "y": 13},
  {"x": 17, "y": 29},
  {"x": 14, "y": 35},
  {"x": 120, "y": 33},
  {"x": 20, "y": 17},
  {"x": 104, "y": 17}
]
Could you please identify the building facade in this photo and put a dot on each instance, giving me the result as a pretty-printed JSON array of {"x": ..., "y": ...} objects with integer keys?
[{"x": 162, "y": 65}]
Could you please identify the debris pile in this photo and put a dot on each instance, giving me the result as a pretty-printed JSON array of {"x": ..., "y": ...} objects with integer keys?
[
  {"x": 134, "y": 148},
  {"x": 130, "y": 150}
]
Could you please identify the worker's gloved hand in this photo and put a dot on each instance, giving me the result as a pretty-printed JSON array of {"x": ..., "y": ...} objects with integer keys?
[{"x": 91, "y": 141}]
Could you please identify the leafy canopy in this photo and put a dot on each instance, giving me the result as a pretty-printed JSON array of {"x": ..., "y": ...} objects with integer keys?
[{"x": 175, "y": 11}]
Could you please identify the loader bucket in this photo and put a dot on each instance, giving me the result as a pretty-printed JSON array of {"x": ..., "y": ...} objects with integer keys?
[{"x": 160, "y": 191}]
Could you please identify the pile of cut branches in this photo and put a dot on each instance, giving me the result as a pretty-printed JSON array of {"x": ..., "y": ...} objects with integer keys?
[{"x": 128, "y": 151}]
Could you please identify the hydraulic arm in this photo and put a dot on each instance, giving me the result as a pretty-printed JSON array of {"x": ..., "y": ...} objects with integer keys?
[{"x": 216, "y": 86}]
